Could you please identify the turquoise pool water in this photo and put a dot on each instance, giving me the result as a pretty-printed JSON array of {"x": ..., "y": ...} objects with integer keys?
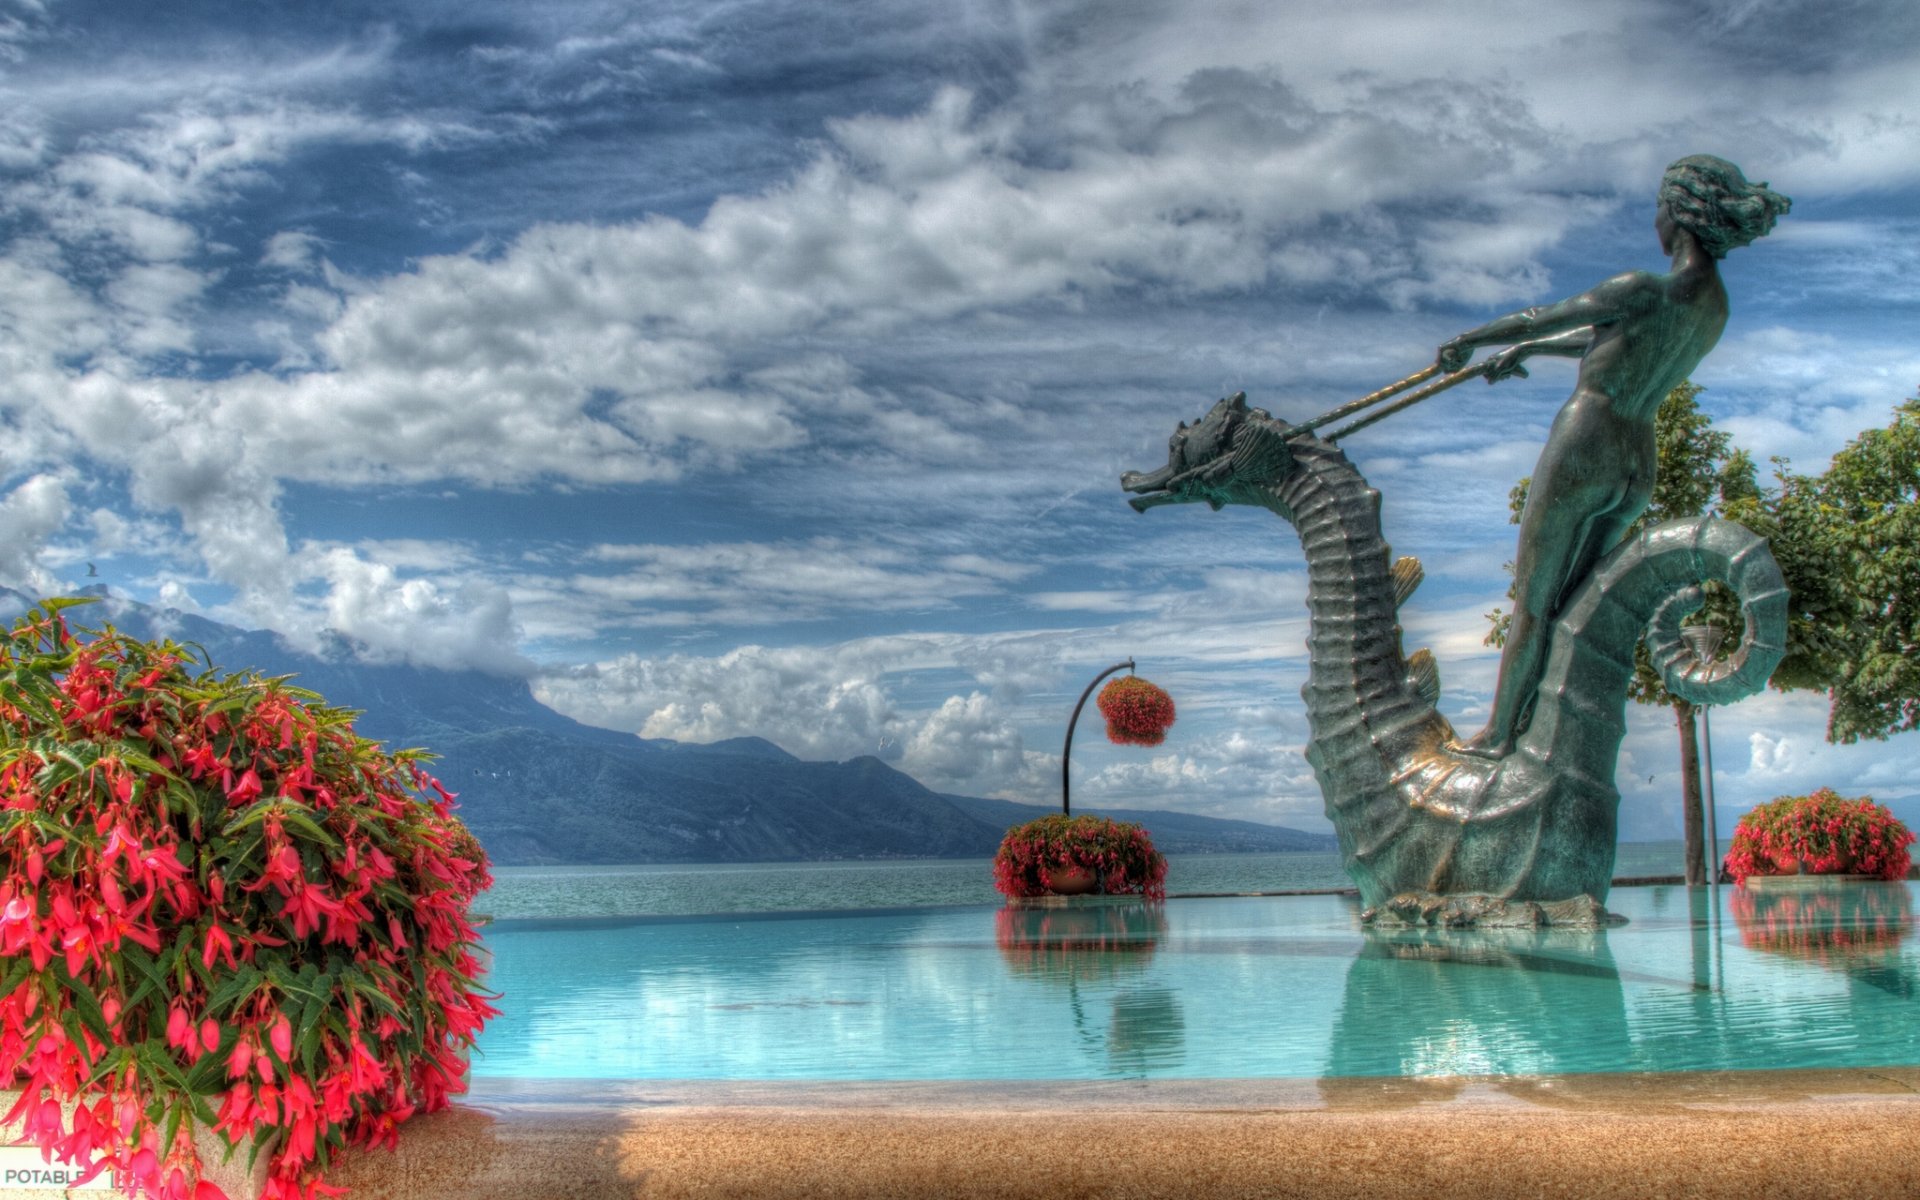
[{"x": 1274, "y": 987}]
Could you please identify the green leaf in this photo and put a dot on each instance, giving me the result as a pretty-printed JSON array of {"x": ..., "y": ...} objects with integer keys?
[
  {"x": 175, "y": 1112},
  {"x": 235, "y": 989},
  {"x": 252, "y": 814},
  {"x": 209, "y": 1074},
  {"x": 111, "y": 1061},
  {"x": 295, "y": 814},
  {"x": 82, "y": 998},
  {"x": 18, "y": 968},
  {"x": 316, "y": 1003},
  {"x": 54, "y": 604}
]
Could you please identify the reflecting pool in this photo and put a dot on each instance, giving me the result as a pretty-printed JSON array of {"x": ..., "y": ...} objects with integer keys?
[{"x": 1224, "y": 988}]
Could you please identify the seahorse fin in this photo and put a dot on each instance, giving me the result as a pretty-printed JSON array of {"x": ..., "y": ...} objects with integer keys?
[
  {"x": 1423, "y": 673},
  {"x": 1407, "y": 574}
]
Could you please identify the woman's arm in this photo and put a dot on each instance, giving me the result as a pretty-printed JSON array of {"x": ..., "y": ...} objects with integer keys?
[
  {"x": 1506, "y": 364},
  {"x": 1619, "y": 297}
]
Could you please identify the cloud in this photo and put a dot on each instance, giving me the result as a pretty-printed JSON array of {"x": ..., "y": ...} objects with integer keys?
[
  {"x": 966, "y": 742},
  {"x": 393, "y": 620},
  {"x": 759, "y": 582},
  {"x": 30, "y": 514}
]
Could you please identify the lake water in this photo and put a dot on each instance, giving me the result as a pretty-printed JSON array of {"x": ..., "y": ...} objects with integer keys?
[{"x": 680, "y": 889}]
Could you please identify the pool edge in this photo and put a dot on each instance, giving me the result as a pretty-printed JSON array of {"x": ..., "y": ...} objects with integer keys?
[{"x": 1725, "y": 1134}]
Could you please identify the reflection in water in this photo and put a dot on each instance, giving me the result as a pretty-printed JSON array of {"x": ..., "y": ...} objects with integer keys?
[
  {"x": 1837, "y": 922},
  {"x": 1853, "y": 927},
  {"x": 1451, "y": 1002},
  {"x": 1096, "y": 947},
  {"x": 1079, "y": 941},
  {"x": 1147, "y": 1032}
]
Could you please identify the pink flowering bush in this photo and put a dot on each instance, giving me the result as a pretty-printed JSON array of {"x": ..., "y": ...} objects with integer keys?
[
  {"x": 220, "y": 909},
  {"x": 1823, "y": 834},
  {"x": 1138, "y": 713},
  {"x": 1119, "y": 854}
]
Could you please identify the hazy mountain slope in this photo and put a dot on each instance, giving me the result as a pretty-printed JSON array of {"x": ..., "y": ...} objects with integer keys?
[{"x": 1173, "y": 833}]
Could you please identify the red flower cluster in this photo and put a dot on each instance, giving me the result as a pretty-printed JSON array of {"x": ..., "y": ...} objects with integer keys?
[
  {"x": 1822, "y": 924},
  {"x": 221, "y": 908},
  {"x": 1119, "y": 852},
  {"x": 1824, "y": 833},
  {"x": 1138, "y": 713}
]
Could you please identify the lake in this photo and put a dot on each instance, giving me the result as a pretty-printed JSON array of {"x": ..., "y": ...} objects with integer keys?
[{"x": 688, "y": 889}]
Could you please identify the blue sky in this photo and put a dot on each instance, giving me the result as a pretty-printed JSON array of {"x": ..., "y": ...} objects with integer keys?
[{"x": 767, "y": 368}]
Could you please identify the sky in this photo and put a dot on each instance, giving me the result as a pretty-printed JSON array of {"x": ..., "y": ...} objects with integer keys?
[{"x": 767, "y": 367}]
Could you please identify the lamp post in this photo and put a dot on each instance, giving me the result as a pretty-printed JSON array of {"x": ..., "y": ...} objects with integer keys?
[
  {"x": 1704, "y": 641},
  {"x": 1066, "y": 753}
]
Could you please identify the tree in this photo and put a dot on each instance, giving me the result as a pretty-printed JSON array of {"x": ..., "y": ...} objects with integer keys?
[
  {"x": 1849, "y": 543},
  {"x": 1698, "y": 470}
]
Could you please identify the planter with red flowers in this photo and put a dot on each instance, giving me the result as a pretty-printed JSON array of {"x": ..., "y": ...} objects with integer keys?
[
  {"x": 1822, "y": 834},
  {"x": 1116, "y": 856},
  {"x": 229, "y": 927}
]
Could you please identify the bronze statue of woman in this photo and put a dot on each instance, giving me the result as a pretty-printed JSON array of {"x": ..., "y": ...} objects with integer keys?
[{"x": 1636, "y": 336}]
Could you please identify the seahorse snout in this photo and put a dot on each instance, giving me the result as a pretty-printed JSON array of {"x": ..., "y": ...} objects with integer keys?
[{"x": 1147, "y": 481}]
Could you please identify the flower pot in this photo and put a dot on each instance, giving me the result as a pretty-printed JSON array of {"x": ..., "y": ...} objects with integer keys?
[
  {"x": 1072, "y": 881},
  {"x": 1807, "y": 882},
  {"x": 232, "y": 1176}
]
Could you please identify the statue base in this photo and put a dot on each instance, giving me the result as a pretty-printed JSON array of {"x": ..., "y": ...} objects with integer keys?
[{"x": 1480, "y": 911}]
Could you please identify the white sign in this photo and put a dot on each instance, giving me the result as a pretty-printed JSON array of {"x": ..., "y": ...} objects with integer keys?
[{"x": 22, "y": 1169}]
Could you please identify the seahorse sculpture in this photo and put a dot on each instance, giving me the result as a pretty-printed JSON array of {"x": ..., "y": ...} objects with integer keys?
[{"x": 1428, "y": 830}]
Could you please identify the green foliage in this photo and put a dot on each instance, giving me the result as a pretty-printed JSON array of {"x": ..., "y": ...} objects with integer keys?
[{"x": 1855, "y": 532}]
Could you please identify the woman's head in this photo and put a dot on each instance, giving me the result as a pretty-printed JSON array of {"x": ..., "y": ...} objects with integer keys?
[{"x": 1709, "y": 198}]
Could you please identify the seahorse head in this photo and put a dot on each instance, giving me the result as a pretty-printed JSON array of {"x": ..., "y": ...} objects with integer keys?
[{"x": 1201, "y": 461}]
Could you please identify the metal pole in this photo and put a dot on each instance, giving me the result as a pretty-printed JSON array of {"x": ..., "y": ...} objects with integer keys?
[
  {"x": 1706, "y": 789},
  {"x": 1704, "y": 641},
  {"x": 1433, "y": 389},
  {"x": 1066, "y": 752},
  {"x": 1713, "y": 835}
]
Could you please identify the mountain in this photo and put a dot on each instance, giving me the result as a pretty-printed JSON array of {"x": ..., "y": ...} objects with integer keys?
[
  {"x": 1173, "y": 833},
  {"x": 539, "y": 787}
]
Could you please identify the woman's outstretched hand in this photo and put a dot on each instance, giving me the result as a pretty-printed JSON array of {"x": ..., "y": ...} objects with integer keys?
[
  {"x": 1506, "y": 365},
  {"x": 1454, "y": 354}
]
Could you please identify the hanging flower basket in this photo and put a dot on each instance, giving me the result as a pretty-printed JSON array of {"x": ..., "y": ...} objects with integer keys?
[
  {"x": 1138, "y": 713},
  {"x": 1120, "y": 856},
  {"x": 1820, "y": 834}
]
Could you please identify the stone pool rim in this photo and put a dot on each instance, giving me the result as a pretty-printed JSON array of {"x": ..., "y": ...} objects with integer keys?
[{"x": 1788, "y": 1133}]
